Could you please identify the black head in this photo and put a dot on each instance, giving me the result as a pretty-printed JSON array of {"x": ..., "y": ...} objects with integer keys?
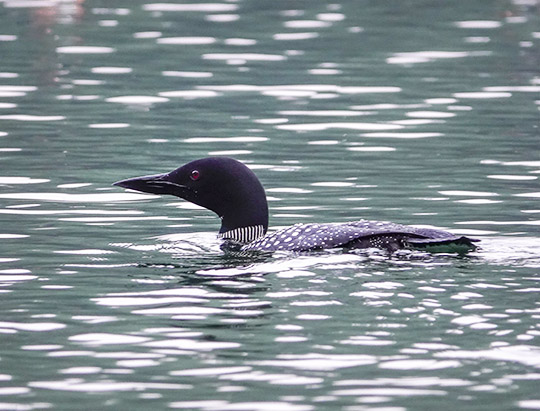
[{"x": 221, "y": 184}]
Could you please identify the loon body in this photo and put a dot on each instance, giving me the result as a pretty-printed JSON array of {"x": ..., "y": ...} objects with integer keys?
[{"x": 232, "y": 191}]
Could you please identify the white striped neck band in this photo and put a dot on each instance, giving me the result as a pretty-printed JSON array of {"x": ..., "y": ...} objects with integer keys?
[{"x": 244, "y": 234}]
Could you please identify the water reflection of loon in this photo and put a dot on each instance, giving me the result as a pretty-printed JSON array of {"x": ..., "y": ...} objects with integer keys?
[{"x": 231, "y": 190}]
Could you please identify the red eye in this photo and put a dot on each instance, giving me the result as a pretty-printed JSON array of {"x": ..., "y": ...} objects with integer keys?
[{"x": 195, "y": 175}]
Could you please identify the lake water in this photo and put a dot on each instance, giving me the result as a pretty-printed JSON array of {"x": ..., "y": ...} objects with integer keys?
[{"x": 417, "y": 112}]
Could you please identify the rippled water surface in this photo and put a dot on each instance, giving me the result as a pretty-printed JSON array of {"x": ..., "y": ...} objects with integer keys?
[{"x": 422, "y": 113}]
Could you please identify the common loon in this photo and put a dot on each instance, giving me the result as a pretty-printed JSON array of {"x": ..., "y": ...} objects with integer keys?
[{"x": 232, "y": 191}]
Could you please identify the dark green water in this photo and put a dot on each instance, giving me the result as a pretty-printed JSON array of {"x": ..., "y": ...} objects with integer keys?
[{"x": 417, "y": 112}]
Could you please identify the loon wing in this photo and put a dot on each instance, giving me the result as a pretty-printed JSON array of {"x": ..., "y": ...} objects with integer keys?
[{"x": 356, "y": 234}]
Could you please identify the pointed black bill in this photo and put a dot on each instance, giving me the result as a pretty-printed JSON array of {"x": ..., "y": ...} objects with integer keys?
[{"x": 154, "y": 184}]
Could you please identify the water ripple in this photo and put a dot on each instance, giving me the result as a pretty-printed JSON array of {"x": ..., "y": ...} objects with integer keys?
[
  {"x": 77, "y": 198},
  {"x": 191, "y": 7},
  {"x": 234, "y": 406},
  {"x": 525, "y": 354},
  {"x": 185, "y": 41},
  {"x": 29, "y": 117},
  {"x": 31, "y": 326},
  {"x": 143, "y": 100},
  {"x": 85, "y": 50},
  {"x": 78, "y": 385},
  {"x": 339, "y": 125}
]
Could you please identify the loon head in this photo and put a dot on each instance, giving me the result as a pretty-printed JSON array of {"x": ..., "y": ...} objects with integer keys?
[{"x": 221, "y": 184}]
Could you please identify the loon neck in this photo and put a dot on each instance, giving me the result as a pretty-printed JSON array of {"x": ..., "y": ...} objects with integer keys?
[
  {"x": 244, "y": 234},
  {"x": 246, "y": 221},
  {"x": 241, "y": 203}
]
